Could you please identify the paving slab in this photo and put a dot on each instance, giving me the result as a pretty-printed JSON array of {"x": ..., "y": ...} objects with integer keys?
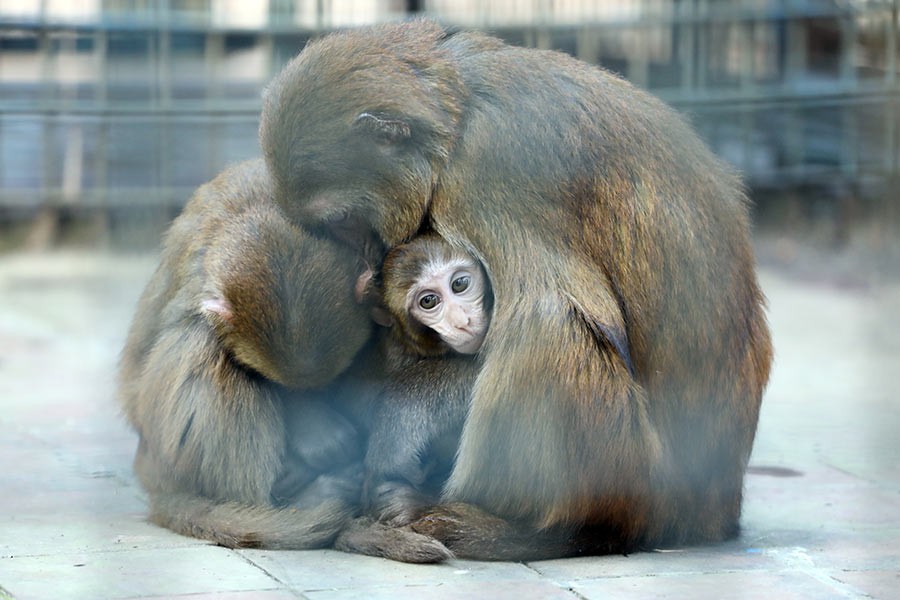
[
  {"x": 715, "y": 586},
  {"x": 875, "y": 584},
  {"x": 327, "y": 569},
  {"x": 460, "y": 590},
  {"x": 730, "y": 556},
  {"x": 131, "y": 574},
  {"x": 822, "y": 503}
]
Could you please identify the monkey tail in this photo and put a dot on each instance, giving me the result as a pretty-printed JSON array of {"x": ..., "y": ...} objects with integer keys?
[
  {"x": 237, "y": 525},
  {"x": 367, "y": 536}
]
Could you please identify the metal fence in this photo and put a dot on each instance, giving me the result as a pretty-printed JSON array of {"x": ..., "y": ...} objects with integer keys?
[{"x": 112, "y": 105}]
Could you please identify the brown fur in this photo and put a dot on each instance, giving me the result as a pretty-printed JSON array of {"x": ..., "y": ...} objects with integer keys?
[
  {"x": 242, "y": 304},
  {"x": 628, "y": 352}
]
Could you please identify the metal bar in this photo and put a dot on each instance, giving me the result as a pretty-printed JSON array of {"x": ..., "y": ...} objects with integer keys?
[{"x": 58, "y": 109}]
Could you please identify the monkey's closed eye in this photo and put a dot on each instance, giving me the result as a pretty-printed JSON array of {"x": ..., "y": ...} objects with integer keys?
[
  {"x": 338, "y": 219},
  {"x": 386, "y": 129},
  {"x": 429, "y": 301}
]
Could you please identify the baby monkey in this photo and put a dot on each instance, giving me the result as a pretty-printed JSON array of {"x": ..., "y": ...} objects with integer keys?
[
  {"x": 438, "y": 296},
  {"x": 440, "y": 302}
]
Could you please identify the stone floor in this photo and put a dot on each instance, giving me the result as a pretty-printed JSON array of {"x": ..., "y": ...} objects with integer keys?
[{"x": 821, "y": 519}]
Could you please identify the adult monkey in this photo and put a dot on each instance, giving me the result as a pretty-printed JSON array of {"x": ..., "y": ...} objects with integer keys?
[
  {"x": 628, "y": 351},
  {"x": 244, "y": 310}
]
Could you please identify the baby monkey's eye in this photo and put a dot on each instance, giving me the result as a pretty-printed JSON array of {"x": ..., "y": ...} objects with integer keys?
[
  {"x": 460, "y": 284},
  {"x": 429, "y": 301}
]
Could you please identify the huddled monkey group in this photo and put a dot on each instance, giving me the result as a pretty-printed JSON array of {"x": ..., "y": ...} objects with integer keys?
[{"x": 474, "y": 300}]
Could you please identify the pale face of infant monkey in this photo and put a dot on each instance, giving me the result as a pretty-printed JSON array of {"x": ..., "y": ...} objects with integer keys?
[{"x": 429, "y": 283}]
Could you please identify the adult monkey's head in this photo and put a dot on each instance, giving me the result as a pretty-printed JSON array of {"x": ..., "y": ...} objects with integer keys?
[{"x": 366, "y": 127}]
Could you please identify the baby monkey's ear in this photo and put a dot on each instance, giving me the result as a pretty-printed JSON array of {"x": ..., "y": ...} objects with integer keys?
[{"x": 381, "y": 316}]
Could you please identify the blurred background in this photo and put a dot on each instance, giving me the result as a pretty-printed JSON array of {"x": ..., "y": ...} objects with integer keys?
[{"x": 113, "y": 111}]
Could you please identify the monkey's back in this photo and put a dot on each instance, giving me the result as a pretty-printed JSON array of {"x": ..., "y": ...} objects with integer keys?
[{"x": 176, "y": 285}]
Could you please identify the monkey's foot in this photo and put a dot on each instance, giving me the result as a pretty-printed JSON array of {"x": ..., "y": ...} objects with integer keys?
[
  {"x": 457, "y": 522},
  {"x": 367, "y": 536},
  {"x": 470, "y": 532}
]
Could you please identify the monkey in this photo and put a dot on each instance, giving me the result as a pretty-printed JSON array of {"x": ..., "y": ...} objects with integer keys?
[
  {"x": 436, "y": 302},
  {"x": 438, "y": 296},
  {"x": 439, "y": 302},
  {"x": 619, "y": 384},
  {"x": 225, "y": 369}
]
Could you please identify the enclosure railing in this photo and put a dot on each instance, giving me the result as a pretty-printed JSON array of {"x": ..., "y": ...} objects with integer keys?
[{"x": 116, "y": 104}]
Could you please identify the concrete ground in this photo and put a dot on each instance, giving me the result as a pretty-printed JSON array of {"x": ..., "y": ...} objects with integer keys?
[{"x": 821, "y": 518}]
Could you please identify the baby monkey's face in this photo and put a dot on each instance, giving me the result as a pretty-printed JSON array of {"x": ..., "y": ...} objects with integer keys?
[{"x": 449, "y": 298}]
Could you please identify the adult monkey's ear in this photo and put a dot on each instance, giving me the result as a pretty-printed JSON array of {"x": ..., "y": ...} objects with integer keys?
[
  {"x": 384, "y": 128},
  {"x": 219, "y": 312}
]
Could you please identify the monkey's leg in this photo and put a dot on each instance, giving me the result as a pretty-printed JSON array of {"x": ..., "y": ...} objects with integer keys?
[
  {"x": 423, "y": 405},
  {"x": 294, "y": 477},
  {"x": 345, "y": 483},
  {"x": 319, "y": 435},
  {"x": 320, "y": 442}
]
